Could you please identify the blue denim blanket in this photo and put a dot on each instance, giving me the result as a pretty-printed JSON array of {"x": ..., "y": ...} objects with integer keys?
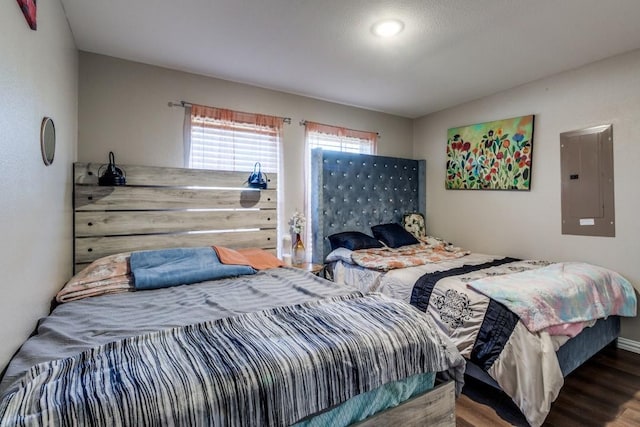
[{"x": 180, "y": 266}]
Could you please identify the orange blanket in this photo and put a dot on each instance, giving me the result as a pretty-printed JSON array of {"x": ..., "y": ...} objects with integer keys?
[{"x": 256, "y": 258}]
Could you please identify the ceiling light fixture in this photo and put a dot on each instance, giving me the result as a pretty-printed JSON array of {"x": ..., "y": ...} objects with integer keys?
[{"x": 387, "y": 28}]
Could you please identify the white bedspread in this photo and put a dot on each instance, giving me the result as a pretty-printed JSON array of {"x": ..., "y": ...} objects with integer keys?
[{"x": 527, "y": 369}]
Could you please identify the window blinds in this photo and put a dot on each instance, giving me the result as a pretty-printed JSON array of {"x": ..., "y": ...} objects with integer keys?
[{"x": 232, "y": 143}]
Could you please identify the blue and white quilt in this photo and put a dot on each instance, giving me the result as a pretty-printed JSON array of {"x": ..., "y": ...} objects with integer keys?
[{"x": 271, "y": 367}]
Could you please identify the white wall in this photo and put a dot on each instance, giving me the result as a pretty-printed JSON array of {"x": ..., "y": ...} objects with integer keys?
[
  {"x": 123, "y": 108},
  {"x": 527, "y": 224},
  {"x": 38, "y": 77}
]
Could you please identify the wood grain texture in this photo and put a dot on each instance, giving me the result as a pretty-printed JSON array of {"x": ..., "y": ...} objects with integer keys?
[
  {"x": 605, "y": 391},
  {"x": 81, "y": 265},
  {"x": 93, "y": 197},
  {"x": 92, "y": 248},
  {"x": 170, "y": 207},
  {"x": 434, "y": 408},
  {"x": 101, "y": 223},
  {"x": 87, "y": 173}
]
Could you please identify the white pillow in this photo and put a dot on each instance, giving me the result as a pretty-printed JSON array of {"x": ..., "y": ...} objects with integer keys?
[{"x": 340, "y": 254}]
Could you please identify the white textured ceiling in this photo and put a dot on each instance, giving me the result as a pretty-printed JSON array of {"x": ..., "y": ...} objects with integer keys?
[{"x": 450, "y": 52}]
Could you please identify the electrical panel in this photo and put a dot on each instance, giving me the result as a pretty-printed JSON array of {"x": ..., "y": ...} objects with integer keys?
[{"x": 587, "y": 181}]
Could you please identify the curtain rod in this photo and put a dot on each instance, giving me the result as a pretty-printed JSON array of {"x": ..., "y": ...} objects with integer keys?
[
  {"x": 185, "y": 104},
  {"x": 304, "y": 123}
]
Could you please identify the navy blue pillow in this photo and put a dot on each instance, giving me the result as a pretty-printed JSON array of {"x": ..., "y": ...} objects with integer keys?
[
  {"x": 353, "y": 240},
  {"x": 393, "y": 235}
]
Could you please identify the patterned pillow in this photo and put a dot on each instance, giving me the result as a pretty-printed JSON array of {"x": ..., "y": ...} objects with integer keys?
[{"x": 414, "y": 224}]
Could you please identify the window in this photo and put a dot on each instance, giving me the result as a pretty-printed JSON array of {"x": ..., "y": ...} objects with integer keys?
[
  {"x": 336, "y": 139},
  {"x": 231, "y": 140},
  {"x": 340, "y": 139},
  {"x": 220, "y": 139}
]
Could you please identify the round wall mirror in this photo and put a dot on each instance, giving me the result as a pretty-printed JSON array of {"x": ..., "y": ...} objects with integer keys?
[{"x": 48, "y": 140}]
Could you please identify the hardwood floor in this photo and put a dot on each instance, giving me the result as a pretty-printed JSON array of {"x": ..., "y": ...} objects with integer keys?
[{"x": 605, "y": 391}]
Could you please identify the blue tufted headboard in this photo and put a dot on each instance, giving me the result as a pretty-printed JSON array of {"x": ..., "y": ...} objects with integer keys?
[{"x": 352, "y": 192}]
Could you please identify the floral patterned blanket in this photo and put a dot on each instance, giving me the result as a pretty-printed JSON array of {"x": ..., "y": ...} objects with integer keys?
[
  {"x": 108, "y": 275},
  {"x": 429, "y": 250}
]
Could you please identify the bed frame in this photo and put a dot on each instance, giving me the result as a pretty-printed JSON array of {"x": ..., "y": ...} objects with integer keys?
[
  {"x": 382, "y": 189},
  {"x": 171, "y": 207}
]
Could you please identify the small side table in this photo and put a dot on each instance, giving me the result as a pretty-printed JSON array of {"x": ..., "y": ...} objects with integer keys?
[{"x": 312, "y": 268}]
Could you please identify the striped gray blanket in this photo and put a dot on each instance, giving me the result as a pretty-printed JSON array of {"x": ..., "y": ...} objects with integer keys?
[{"x": 272, "y": 367}]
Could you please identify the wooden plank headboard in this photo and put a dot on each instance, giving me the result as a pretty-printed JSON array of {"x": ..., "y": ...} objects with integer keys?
[
  {"x": 352, "y": 192},
  {"x": 170, "y": 207}
]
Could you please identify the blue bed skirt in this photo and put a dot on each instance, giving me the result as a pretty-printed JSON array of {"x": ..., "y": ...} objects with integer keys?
[
  {"x": 574, "y": 352},
  {"x": 367, "y": 404}
]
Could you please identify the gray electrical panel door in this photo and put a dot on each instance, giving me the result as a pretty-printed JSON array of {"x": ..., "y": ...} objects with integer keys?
[{"x": 587, "y": 182}]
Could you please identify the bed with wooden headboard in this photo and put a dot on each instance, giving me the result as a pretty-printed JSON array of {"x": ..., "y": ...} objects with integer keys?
[
  {"x": 162, "y": 208},
  {"x": 170, "y": 207},
  {"x": 352, "y": 192}
]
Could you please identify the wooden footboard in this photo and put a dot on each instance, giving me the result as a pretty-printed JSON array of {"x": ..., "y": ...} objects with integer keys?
[{"x": 433, "y": 408}]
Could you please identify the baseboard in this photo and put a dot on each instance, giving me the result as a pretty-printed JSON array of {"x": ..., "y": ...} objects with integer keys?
[{"x": 629, "y": 345}]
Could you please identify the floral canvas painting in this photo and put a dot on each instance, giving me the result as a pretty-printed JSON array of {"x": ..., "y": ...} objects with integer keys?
[{"x": 490, "y": 156}]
